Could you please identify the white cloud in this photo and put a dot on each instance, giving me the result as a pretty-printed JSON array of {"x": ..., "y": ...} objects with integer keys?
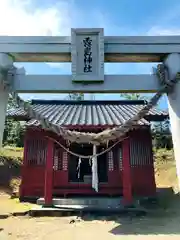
[
  {"x": 160, "y": 31},
  {"x": 20, "y": 18},
  {"x": 166, "y": 22},
  {"x": 65, "y": 66}
]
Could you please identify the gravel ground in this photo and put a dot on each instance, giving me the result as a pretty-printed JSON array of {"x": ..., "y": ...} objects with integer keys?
[
  {"x": 158, "y": 225},
  {"x": 152, "y": 227}
]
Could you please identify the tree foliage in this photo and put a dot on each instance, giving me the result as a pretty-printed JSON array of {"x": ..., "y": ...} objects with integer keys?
[
  {"x": 134, "y": 96},
  {"x": 76, "y": 96},
  {"x": 161, "y": 135},
  {"x": 14, "y": 130}
]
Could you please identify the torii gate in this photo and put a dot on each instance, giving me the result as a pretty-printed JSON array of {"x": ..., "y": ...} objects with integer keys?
[{"x": 88, "y": 49}]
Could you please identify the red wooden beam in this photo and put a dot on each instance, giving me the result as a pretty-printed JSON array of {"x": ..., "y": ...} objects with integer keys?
[
  {"x": 49, "y": 174},
  {"x": 127, "y": 183}
]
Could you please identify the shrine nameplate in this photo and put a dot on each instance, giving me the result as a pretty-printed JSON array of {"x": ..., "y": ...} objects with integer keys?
[{"x": 87, "y": 55}]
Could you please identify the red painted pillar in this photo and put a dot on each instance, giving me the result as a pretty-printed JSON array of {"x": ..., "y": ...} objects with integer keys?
[
  {"x": 49, "y": 174},
  {"x": 127, "y": 184},
  {"x": 24, "y": 166}
]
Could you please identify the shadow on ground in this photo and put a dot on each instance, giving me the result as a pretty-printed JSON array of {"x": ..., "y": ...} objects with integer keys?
[{"x": 163, "y": 219}]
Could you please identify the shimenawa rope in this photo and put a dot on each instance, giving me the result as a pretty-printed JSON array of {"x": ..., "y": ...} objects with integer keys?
[
  {"x": 106, "y": 135},
  {"x": 87, "y": 156}
]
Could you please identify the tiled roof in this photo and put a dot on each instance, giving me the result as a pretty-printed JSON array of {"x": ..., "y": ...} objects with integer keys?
[
  {"x": 16, "y": 112},
  {"x": 87, "y": 113}
]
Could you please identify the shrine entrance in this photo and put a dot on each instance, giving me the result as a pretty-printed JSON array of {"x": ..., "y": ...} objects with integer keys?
[{"x": 80, "y": 169}]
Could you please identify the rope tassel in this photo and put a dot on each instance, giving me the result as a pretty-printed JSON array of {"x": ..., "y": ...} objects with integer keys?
[
  {"x": 79, "y": 167},
  {"x": 94, "y": 169}
]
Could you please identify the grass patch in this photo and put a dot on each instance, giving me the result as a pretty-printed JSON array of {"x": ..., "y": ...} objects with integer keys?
[
  {"x": 11, "y": 156},
  {"x": 10, "y": 163},
  {"x": 165, "y": 168},
  {"x": 11, "y": 152},
  {"x": 14, "y": 185}
]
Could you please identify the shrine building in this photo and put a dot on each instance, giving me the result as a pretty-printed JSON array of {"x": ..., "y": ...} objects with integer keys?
[{"x": 50, "y": 171}]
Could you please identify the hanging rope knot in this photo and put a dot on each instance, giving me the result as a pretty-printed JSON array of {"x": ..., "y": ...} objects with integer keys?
[
  {"x": 5, "y": 79},
  {"x": 10, "y": 75},
  {"x": 163, "y": 75}
]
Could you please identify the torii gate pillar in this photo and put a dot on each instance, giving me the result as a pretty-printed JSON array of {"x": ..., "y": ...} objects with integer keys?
[
  {"x": 173, "y": 64},
  {"x": 5, "y": 63}
]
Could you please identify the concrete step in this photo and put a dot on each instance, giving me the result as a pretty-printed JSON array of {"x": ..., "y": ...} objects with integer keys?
[
  {"x": 79, "y": 210},
  {"x": 91, "y": 201}
]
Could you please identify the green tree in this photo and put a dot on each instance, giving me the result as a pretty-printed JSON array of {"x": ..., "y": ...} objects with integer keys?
[
  {"x": 14, "y": 130},
  {"x": 11, "y": 103},
  {"x": 76, "y": 96},
  {"x": 134, "y": 96},
  {"x": 161, "y": 135}
]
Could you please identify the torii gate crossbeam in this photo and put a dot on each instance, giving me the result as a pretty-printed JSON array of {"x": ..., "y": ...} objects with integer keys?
[
  {"x": 112, "y": 84},
  {"x": 116, "y": 49},
  {"x": 88, "y": 49}
]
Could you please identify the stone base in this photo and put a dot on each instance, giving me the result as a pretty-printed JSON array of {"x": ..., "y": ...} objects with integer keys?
[
  {"x": 96, "y": 202},
  {"x": 80, "y": 211}
]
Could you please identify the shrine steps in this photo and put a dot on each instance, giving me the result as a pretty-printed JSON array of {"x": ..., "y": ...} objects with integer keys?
[
  {"x": 80, "y": 202},
  {"x": 93, "y": 205},
  {"x": 41, "y": 211}
]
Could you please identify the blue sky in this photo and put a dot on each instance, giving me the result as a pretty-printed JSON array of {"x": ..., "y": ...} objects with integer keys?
[{"x": 117, "y": 17}]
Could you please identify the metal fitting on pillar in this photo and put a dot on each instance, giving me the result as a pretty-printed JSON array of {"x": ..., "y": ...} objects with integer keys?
[
  {"x": 172, "y": 62},
  {"x": 6, "y": 61}
]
